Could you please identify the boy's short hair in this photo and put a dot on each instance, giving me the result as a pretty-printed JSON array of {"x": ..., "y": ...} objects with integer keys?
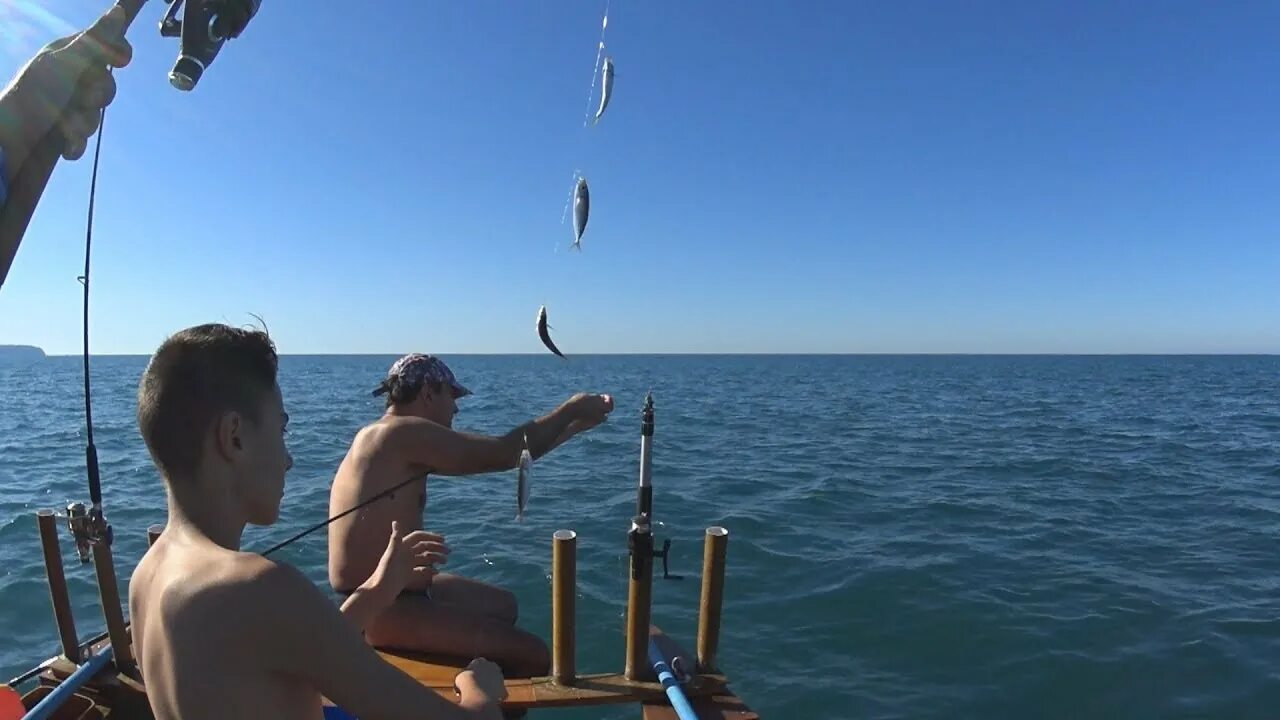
[{"x": 195, "y": 376}]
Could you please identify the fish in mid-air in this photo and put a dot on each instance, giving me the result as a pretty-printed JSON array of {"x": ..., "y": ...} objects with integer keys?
[
  {"x": 581, "y": 208},
  {"x": 522, "y": 482},
  {"x": 606, "y": 90},
  {"x": 543, "y": 331}
]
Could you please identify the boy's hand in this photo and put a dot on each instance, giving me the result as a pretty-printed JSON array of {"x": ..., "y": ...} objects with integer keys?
[{"x": 414, "y": 555}]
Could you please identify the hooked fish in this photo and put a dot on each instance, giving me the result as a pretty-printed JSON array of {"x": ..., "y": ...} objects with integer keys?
[
  {"x": 581, "y": 207},
  {"x": 606, "y": 90},
  {"x": 543, "y": 333},
  {"x": 522, "y": 483}
]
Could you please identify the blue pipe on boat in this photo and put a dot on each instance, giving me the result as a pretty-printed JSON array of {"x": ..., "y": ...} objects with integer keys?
[
  {"x": 675, "y": 693},
  {"x": 51, "y": 702}
]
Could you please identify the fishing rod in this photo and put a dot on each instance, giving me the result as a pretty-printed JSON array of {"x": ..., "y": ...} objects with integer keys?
[
  {"x": 205, "y": 27},
  {"x": 671, "y": 677},
  {"x": 202, "y": 31},
  {"x": 344, "y": 513},
  {"x": 643, "y": 522}
]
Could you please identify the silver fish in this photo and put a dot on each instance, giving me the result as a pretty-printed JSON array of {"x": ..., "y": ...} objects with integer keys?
[
  {"x": 581, "y": 207},
  {"x": 606, "y": 89},
  {"x": 522, "y": 483},
  {"x": 543, "y": 332}
]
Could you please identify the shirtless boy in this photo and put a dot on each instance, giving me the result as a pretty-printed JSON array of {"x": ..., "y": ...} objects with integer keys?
[
  {"x": 437, "y": 613},
  {"x": 222, "y": 633}
]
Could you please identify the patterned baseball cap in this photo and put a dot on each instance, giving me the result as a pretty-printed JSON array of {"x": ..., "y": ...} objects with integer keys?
[{"x": 414, "y": 369}]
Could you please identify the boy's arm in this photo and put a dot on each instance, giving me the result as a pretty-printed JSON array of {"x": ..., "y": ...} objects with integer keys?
[
  {"x": 297, "y": 632},
  {"x": 406, "y": 557},
  {"x": 363, "y": 605}
]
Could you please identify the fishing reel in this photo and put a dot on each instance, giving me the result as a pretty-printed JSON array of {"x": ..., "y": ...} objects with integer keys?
[
  {"x": 205, "y": 26},
  {"x": 640, "y": 541},
  {"x": 666, "y": 548},
  {"x": 87, "y": 528}
]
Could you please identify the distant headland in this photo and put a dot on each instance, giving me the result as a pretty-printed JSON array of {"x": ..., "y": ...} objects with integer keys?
[{"x": 20, "y": 354}]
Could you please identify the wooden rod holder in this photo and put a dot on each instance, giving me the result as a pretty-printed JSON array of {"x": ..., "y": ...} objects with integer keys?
[
  {"x": 639, "y": 600},
  {"x": 111, "y": 610},
  {"x": 47, "y": 521},
  {"x": 713, "y": 559},
  {"x": 564, "y": 568},
  {"x": 153, "y": 534}
]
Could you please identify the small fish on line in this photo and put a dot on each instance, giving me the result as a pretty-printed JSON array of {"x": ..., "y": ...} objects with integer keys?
[
  {"x": 581, "y": 208},
  {"x": 606, "y": 89},
  {"x": 544, "y": 334},
  {"x": 523, "y": 478}
]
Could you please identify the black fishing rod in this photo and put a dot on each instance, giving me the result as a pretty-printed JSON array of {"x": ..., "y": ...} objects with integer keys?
[
  {"x": 366, "y": 503},
  {"x": 93, "y": 527},
  {"x": 205, "y": 27}
]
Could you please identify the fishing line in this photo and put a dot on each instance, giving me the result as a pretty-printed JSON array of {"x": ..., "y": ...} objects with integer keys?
[
  {"x": 604, "y": 24},
  {"x": 586, "y": 119},
  {"x": 573, "y": 182}
]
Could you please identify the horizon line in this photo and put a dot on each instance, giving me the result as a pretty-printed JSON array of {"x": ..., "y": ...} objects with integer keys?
[{"x": 749, "y": 354}]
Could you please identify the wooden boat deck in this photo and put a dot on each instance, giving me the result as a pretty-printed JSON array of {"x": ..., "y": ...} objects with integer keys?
[{"x": 123, "y": 696}]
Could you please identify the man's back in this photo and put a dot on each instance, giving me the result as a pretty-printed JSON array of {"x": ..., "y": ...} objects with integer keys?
[
  {"x": 187, "y": 600},
  {"x": 357, "y": 540}
]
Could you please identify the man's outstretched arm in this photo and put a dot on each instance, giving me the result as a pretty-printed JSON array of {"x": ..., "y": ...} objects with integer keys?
[{"x": 452, "y": 452}]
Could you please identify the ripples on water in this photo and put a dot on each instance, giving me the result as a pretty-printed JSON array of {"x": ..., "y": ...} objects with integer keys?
[{"x": 909, "y": 536}]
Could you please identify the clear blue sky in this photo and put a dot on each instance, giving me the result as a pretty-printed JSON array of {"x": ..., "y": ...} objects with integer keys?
[{"x": 769, "y": 177}]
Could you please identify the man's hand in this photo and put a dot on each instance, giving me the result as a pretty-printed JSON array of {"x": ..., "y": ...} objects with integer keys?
[
  {"x": 415, "y": 554},
  {"x": 589, "y": 411},
  {"x": 65, "y": 86},
  {"x": 481, "y": 686}
]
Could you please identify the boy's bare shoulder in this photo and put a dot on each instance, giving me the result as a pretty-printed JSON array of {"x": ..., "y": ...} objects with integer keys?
[{"x": 241, "y": 585}]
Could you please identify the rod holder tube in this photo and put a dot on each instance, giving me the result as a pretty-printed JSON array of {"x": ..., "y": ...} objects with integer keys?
[
  {"x": 709, "y": 607},
  {"x": 153, "y": 534},
  {"x": 639, "y": 599},
  {"x": 47, "y": 521},
  {"x": 111, "y": 610},
  {"x": 564, "y": 568}
]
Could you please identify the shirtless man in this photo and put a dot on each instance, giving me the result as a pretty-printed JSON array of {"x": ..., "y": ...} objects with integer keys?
[
  {"x": 222, "y": 633},
  {"x": 441, "y": 613}
]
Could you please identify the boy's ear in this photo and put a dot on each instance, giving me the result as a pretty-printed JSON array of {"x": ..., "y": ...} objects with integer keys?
[{"x": 227, "y": 434}]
